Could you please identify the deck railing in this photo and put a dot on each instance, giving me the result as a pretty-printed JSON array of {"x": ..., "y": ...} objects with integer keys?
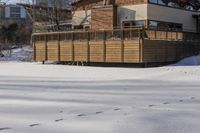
[{"x": 118, "y": 34}]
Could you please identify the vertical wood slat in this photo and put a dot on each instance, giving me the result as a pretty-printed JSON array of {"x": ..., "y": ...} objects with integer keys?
[
  {"x": 173, "y": 38},
  {"x": 46, "y": 52},
  {"x": 59, "y": 47}
]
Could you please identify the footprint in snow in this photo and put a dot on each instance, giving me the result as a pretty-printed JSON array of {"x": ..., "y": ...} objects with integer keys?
[
  {"x": 151, "y": 105},
  {"x": 80, "y": 115},
  {"x": 180, "y": 100},
  {"x": 61, "y": 112},
  {"x": 33, "y": 125},
  {"x": 166, "y": 103},
  {"x": 4, "y": 128},
  {"x": 59, "y": 120},
  {"x": 192, "y": 98},
  {"x": 99, "y": 112},
  {"x": 117, "y": 109}
]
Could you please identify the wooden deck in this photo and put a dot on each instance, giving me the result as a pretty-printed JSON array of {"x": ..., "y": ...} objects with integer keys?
[{"x": 117, "y": 46}]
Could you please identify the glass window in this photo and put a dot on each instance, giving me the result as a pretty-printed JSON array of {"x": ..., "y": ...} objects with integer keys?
[
  {"x": 138, "y": 23},
  {"x": 153, "y": 24},
  {"x": 160, "y": 2},
  {"x": 164, "y": 25},
  {"x": 133, "y": 23},
  {"x": 153, "y": 1}
]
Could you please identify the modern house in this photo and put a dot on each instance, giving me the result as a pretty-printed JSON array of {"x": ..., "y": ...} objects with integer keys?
[
  {"x": 103, "y": 14},
  {"x": 124, "y": 32}
]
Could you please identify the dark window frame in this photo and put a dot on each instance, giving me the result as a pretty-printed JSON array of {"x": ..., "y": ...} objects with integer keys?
[
  {"x": 157, "y": 3},
  {"x": 166, "y": 23}
]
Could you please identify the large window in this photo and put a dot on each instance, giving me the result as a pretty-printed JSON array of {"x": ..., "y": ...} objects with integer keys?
[
  {"x": 15, "y": 12},
  {"x": 133, "y": 23},
  {"x": 164, "y": 25},
  {"x": 171, "y": 4}
]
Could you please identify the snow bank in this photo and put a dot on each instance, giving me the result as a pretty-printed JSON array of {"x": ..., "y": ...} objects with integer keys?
[
  {"x": 36, "y": 98},
  {"x": 19, "y": 54},
  {"x": 190, "y": 61}
]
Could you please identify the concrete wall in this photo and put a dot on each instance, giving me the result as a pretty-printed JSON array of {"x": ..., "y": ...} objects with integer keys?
[
  {"x": 81, "y": 17},
  {"x": 133, "y": 12},
  {"x": 168, "y": 14}
]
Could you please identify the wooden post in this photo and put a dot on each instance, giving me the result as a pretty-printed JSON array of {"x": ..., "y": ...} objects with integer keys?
[
  {"x": 122, "y": 45},
  {"x": 59, "y": 53},
  {"x": 33, "y": 40},
  {"x": 104, "y": 46},
  {"x": 141, "y": 44},
  {"x": 73, "y": 52},
  {"x": 88, "y": 46},
  {"x": 46, "y": 50},
  {"x": 155, "y": 34}
]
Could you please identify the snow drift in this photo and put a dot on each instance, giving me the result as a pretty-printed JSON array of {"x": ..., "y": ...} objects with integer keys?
[{"x": 23, "y": 53}]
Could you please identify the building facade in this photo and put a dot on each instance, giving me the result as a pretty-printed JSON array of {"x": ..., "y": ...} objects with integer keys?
[
  {"x": 63, "y": 4},
  {"x": 12, "y": 14},
  {"x": 155, "y": 14}
]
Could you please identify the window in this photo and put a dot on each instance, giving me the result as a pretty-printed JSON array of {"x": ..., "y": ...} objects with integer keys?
[
  {"x": 165, "y": 25},
  {"x": 15, "y": 12},
  {"x": 172, "y": 4},
  {"x": 133, "y": 23}
]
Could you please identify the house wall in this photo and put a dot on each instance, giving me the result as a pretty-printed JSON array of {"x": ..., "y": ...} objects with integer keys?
[
  {"x": 162, "y": 13},
  {"x": 133, "y": 12},
  {"x": 104, "y": 17},
  {"x": 145, "y": 12},
  {"x": 130, "y": 2}
]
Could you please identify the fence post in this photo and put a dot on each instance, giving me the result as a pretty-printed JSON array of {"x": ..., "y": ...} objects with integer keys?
[
  {"x": 46, "y": 50},
  {"x": 33, "y": 40},
  {"x": 104, "y": 46},
  {"x": 88, "y": 46},
  {"x": 59, "y": 47},
  {"x": 73, "y": 52},
  {"x": 122, "y": 45}
]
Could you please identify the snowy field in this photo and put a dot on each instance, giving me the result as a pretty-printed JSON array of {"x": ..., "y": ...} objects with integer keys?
[{"x": 36, "y": 98}]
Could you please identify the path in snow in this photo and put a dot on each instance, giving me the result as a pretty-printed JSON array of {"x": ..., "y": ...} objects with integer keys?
[{"x": 37, "y": 98}]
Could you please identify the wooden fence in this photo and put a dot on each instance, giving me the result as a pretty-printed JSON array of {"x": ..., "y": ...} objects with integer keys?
[{"x": 134, "y": 45}]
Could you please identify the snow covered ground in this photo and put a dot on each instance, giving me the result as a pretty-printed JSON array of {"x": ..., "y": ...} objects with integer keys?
[
  {"x": 36, "y": 98},
  {"x": 23, "y": 53}
]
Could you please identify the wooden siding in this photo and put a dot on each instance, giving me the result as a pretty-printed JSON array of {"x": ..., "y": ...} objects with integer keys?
[
  {"x": 82, "y": 5},
  {"x": 104, "y": 17},
  {"x": 52, "y": 51},
  {"x": 113, "y": 51},
  {"x": 167, "y": 51},
  {"x": 40, "y": 51},
  {"x": 131, "y": 51},
  {"x": 97, "y": 51},
  {"x": 130, "y": 2},
  {"x": 66, "y": 51},
  {"x": 81, "y": 51},
  {"x": 115, "y": 46}
]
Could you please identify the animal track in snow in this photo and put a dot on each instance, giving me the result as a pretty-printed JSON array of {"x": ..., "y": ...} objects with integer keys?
[
  {"x": 33, "y": 125},
  {"x": 80, "y": 115},
  {"x": 99, "y": 112},
  {"x": 59, "y": 120},
  {"x": 5, "y": 128},
  {"x": 151, "y": 105},
  {"x": 180, "y": 100},
  {"x": 166, "y": 103},
  {"x": 192, "y": 98},
  {"x": 117, "y": 109}
]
